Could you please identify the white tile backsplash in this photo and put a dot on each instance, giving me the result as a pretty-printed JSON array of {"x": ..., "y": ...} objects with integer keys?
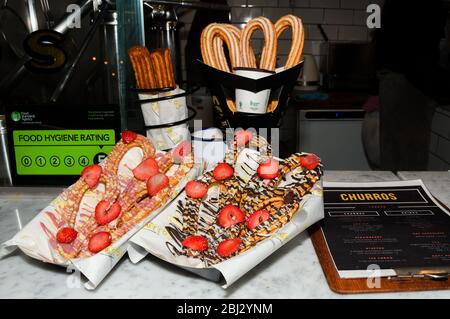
[
  {"x": 237, "y": 3},
  {"x": 244, "y": 14},
  {"x": 355, "y": 4},
  {"x": 325, "y": 3},
  {"x": 353, "y": 33},
  {"x": 313, "y": 32},
  {"x": 262, "y": 3},
  {"x": 275, "y": 13},
  {"x": 301, "y": 3},
  {"x": 309, "y": 15},
  {"x": 360, "y": 17},
  {"x": 338, "y": 16}
]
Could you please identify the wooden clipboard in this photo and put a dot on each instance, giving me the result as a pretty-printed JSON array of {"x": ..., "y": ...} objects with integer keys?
[{"x": 360, "y": 285}]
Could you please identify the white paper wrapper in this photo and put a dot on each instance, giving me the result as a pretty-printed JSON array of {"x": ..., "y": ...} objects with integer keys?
[
  {"x": 35, "y": 238},
  {"x": 154, "y": 238},
  {"x": 163, "y": 112}
]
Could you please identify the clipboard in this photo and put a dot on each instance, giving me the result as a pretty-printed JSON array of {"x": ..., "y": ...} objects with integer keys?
[{"x": 354, "y": 286}]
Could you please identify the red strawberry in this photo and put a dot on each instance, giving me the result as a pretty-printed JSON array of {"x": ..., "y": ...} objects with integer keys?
[
  {"x": 66, "y": 235},
  {"x": 99, "y": 241},
  {"x": 268, "y": 169},
  {"x": 181, "y": 150},
  {"x": 223, "y": 171},
  {"x": 91, "y": 174},
  {"x": 156, "y": 183},
  {"x": 146, "y": 169},
  {"x": 128, "y": 136},
  {"x": 310, "y": 161},
  {"x": 257, "y": 218},
  {"x": 195, "y": 189},
  {"x": 228, "y": 247},
  {"x": 242, "y": 137},
  {"x": 229, "y": 216},
  {"x": 105, "y": 214},
  {"x": 198, "y": 243}
]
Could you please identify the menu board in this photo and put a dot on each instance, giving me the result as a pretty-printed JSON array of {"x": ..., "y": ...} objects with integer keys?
[{"x": 385, "y": 226}]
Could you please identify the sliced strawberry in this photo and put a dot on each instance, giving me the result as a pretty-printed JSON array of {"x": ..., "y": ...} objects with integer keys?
[
  {"x": 268, "y": 169},
  {"x": 104, "y": 214},
  {"x": 156, "y": 183},
  {"x": 230, "y": 215},
  {"x": 180, "y": 151},
  {"x": 198, "y": 243},
  {"x": 195, "y": 189},
  {"x": 66, "y": 235},
  {"x": 310, "y": 161},
  {"x": 128, "y": 136},
  {"x": 257, "y": 218},
  {"x": 223, "y": 171},
  {"x": 242, "y": 137},
  {"x": 146, "y": 169},
  {"x": 228, "y": 247},
  {"x": 99, "y": 241},
  {"x": 91, "y": 174}
]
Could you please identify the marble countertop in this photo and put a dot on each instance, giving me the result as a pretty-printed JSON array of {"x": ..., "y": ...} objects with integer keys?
[{"x": 291, "y": 272}]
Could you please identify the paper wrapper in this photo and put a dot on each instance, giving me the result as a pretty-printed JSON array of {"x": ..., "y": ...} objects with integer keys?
[
  {"x": 36, "y": 239},
  {"x": 154, "y": 238},
  {"x": 163, "y": 112}
]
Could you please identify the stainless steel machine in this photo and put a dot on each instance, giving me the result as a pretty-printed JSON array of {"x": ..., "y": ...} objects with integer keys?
[{"x": 162, "y": 25}]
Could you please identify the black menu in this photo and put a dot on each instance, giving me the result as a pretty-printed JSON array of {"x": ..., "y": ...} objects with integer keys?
[{"x": 384, "y": 226}]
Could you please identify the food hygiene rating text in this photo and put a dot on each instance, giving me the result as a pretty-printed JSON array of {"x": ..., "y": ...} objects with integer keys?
[{"x": 79, "y": 137}]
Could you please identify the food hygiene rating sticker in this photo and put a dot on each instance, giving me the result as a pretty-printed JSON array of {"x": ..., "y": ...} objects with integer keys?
[{"x": 60, "y": 152}]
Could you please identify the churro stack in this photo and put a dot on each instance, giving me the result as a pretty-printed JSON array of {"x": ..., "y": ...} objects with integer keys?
[
  {"x": 153, "y": 70},
  {"x": 238, "y": 42}
]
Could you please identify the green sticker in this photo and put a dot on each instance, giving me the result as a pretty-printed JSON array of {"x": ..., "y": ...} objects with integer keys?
[{"x": 15, "y": 116}]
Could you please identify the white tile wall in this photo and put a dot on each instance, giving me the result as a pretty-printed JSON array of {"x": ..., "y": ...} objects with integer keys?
[
  {"x": 275, "y": 13},
  {"x": 338, "y": 16},
  {"x": 310, "y": 15},
  {"x": 353, "y": 33},
  {"x": 325, "y": 3},
  {"x": 244, "y": 14},
  {"x": 440, "y": 141}
]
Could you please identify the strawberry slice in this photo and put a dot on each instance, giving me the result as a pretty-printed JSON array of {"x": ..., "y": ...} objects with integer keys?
[
  {"x": 146, "y": 169},
  {"x": 66, "y": 235},
  {"x": 99, "y": 241},
  {"x": 198, "y": 243},
  {"x": 268, "y": 169},
  {"x": 156, "y": 183},
  {"x": 128, "y": 136},
  {"x": 230, "y": 215},
  {"x": 180, "y": 151},
  {"x": 91, "y": 174},
  {"x": 228, "y": 247},
  {"x": 195, "y": 189},
  {"x": 223, "y": 171},
  {"x": 310, "y": 161},
  {"x": 104, "y": 214},
  {"x": 257, "y": 218},
  {"x": 242, "y": 137}
]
